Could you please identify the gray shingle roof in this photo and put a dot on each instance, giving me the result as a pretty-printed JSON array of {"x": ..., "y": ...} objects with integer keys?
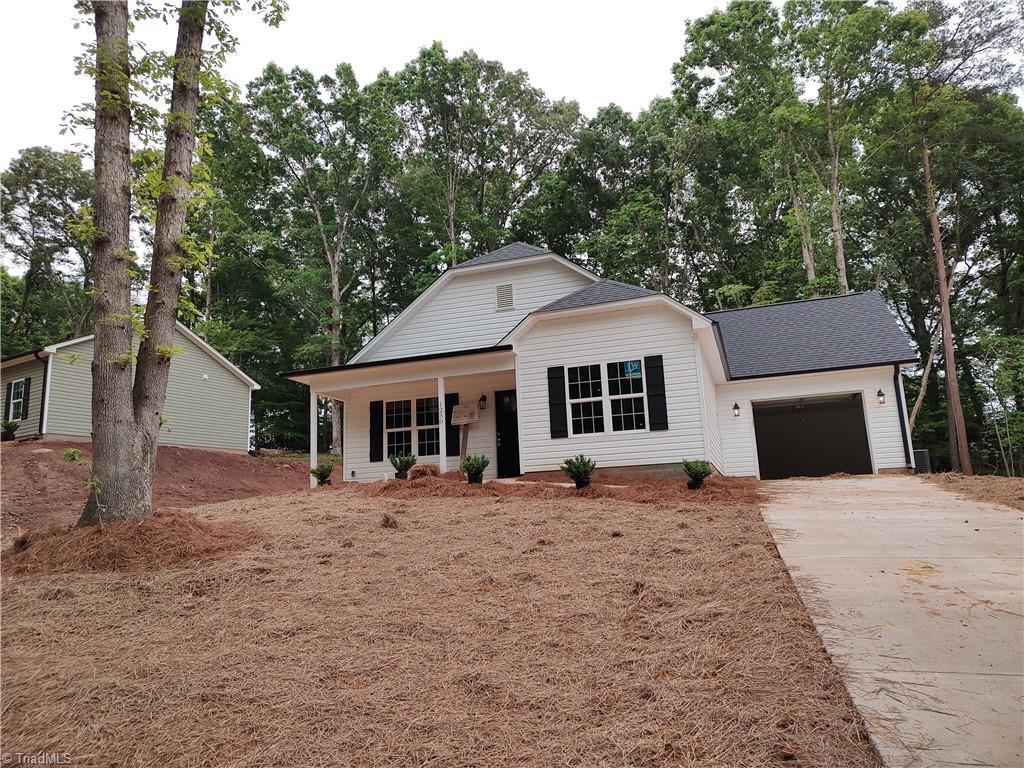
[
  {"x": 601, "y": 292},
  {"x": 850, "y": 331},
  {"x": 505, "y": 253}
]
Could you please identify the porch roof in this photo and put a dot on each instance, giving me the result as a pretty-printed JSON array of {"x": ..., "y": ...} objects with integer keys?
[{"x": 375, "y": 372}]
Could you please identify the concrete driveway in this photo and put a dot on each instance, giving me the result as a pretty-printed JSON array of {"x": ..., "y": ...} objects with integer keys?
[{"x": 917, "y": 595}]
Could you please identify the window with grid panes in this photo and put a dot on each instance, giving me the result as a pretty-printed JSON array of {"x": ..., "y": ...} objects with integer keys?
[
  {"x": 398, "y": 426},
  {"x": 586, "y": 402},
  {"x": 626, "y": 395},
  {"x": 428, "y": 431}
]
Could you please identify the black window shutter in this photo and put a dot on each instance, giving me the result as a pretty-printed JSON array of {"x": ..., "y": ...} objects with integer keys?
[
  {"x": 377, "y": 430},
  {"x": 657, "y": 410},
  {"x": 7, "y": 401},
  {"x": 452, "y": 444},
  {"x": 556, "y": 402},
  {"x": 24, "y": 399}
]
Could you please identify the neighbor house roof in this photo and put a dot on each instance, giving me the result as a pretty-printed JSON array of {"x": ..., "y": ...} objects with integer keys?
[
  {"x": 601, "y": 292},
  {"x": 508, "y": 252},
  {"x": 185, "y": 331},
  {"x": 855, "y": 330}
]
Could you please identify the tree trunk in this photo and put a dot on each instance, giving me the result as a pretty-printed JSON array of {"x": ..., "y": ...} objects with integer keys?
[
  {"x": 806, "y": 240},
  {"x": 956, "y": 411},
  {"x": 335, "y": 347},
  {"x": 113, "y": 487},
  {"x": 837, "y": 224},
  {"x": 924, "y": 383},
  {"x": 127, "y": 416}
]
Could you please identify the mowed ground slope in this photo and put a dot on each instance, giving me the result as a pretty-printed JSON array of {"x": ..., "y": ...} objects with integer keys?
[
  {"x": 489, "y": 630},
  {"x": 39, "y": 488}
]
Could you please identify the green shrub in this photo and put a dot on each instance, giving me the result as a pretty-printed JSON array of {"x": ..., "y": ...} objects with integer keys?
[
  {"x": 403, "y": 463},
  {"x": 697, "y": 470},
  {"x": 8, "y": 428},
  {"x": 74, "y": 456},
  {"x": 322, "y": 472},
  {"x": 578, "y": 468},
  {"x": 475, "y": 465}
]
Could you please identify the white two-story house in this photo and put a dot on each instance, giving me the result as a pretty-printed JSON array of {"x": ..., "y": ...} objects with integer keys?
[{"x": 562, "y": 362}]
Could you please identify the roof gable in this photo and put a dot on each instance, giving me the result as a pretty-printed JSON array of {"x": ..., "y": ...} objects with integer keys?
[
  {"x": 179, "y": 326},
  {"x": 855, "y": 330},
  {"x": 601, "y": 292},
  {"x": 509, "y": 252}
]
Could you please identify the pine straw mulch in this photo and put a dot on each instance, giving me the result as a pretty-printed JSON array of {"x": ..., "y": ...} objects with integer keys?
[
  {"x": 495, "y": 630},
  {"x": 159, "y": 541},
  {"x": 996, "y": 489},
  {"x": 736, "y": 490}
]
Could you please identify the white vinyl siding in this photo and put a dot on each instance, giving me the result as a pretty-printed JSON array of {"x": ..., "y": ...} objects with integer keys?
[
  {"x": 616, "y": 334},
  {"x": 31, "y": 371},
  {"x": 469, "y": 388},
  {"x": 464, "y": 314},
  {"x": 206, "y": 407},
  {"x": 709, "y": 410},
  {"x": 885, "y": 438}
]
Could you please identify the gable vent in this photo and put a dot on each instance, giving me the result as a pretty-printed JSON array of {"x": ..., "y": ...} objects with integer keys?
[{"x": 503, "y": 296}]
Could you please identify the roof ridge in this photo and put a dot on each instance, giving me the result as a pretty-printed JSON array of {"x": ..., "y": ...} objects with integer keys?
[{"x": 791, "y": 301}]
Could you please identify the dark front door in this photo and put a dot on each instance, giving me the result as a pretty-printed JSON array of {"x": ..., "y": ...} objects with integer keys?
[
  {"x": 812, "y": 437},
  {"x": 507, "y": 428}
]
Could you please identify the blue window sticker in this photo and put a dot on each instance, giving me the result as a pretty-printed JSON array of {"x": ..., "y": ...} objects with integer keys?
[{"x": 632, "y": 368}]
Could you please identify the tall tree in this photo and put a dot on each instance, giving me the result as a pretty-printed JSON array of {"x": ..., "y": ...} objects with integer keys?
[
  {"x": 127, "y": 399},
  {"x": 45, "y": 198}
]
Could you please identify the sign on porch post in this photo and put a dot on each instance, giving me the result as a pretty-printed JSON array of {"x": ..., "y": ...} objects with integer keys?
[{"x": 463, "y": 415}]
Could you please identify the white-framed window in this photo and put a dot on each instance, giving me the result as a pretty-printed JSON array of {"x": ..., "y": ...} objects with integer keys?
[
  {"x": 586, "y": 401},
  {"x": 428, "y": 431},
  {"x": 504, "y": 298},
  {"x": 616, "y": 389},
  {"x": 626, "y": 395},
  {"x": 398, "y": 427},
  {"x": 16, "y": 409}
]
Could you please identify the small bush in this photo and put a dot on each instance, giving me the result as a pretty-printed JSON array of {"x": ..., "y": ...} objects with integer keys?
[
  {"x": 403, "y": 463},
  {"x": 578, "y": 468},
  {"x": 322, "y": 472},
  {"x": 475, "y": 465},
  {"x": 697, "y": 471},
  {"x": 389, "y": 521},
  {"x": 9, "y": 428},
  {"x": 74, "y": 456}
]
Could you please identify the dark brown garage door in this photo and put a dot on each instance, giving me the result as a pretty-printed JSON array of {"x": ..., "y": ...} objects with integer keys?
[{"x": 812, "y": 437}]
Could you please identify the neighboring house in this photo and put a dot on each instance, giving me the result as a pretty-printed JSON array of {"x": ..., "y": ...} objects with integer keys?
[
  {"x": 564, "y": 362},
  {"x": 49, "y": 392}
]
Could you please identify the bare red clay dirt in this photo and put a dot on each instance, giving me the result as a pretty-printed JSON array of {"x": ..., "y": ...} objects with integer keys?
[{"x": 39, "y": 488}]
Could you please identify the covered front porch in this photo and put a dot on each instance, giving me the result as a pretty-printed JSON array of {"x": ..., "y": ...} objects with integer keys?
[{"x": 405, "y": 407}]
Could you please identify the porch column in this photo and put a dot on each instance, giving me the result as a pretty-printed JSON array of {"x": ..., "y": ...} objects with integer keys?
[
  {"x": 313, "y": 451},
  {"x": 443, "y": 422}
]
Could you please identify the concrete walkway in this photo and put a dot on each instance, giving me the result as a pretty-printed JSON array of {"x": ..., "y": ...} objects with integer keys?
[{"x": 917, "y": 595}]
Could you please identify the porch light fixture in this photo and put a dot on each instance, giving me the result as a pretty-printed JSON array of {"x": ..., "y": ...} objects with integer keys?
[
  {"x": 881, "y": 397},
  {"x": 735, "y": 409},
  {"x": 482, "y": 402}
]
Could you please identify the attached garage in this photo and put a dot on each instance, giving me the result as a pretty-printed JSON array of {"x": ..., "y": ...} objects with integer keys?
[{"x": 813, "y": 436}]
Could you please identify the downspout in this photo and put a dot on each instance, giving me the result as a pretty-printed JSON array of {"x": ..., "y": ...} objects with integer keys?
[
  {"x": 46, "y": 388},
  {"x": 897, "y": 386}
]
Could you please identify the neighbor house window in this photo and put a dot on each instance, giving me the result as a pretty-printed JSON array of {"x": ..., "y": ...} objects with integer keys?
[
  {"x": 398, "y": 426},
  {"x": 586, "y": 403},
  {"x": 16, "y": 410},
  {"x": 626, "y": 395},
  {"x": 428, "y": 432}
]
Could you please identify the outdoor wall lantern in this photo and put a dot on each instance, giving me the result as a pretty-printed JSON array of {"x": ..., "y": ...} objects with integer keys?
[
  {"x": 482, "y": 402},
  {"x": 735, "y": 409},
  {"x": 881, "y": 397}
]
